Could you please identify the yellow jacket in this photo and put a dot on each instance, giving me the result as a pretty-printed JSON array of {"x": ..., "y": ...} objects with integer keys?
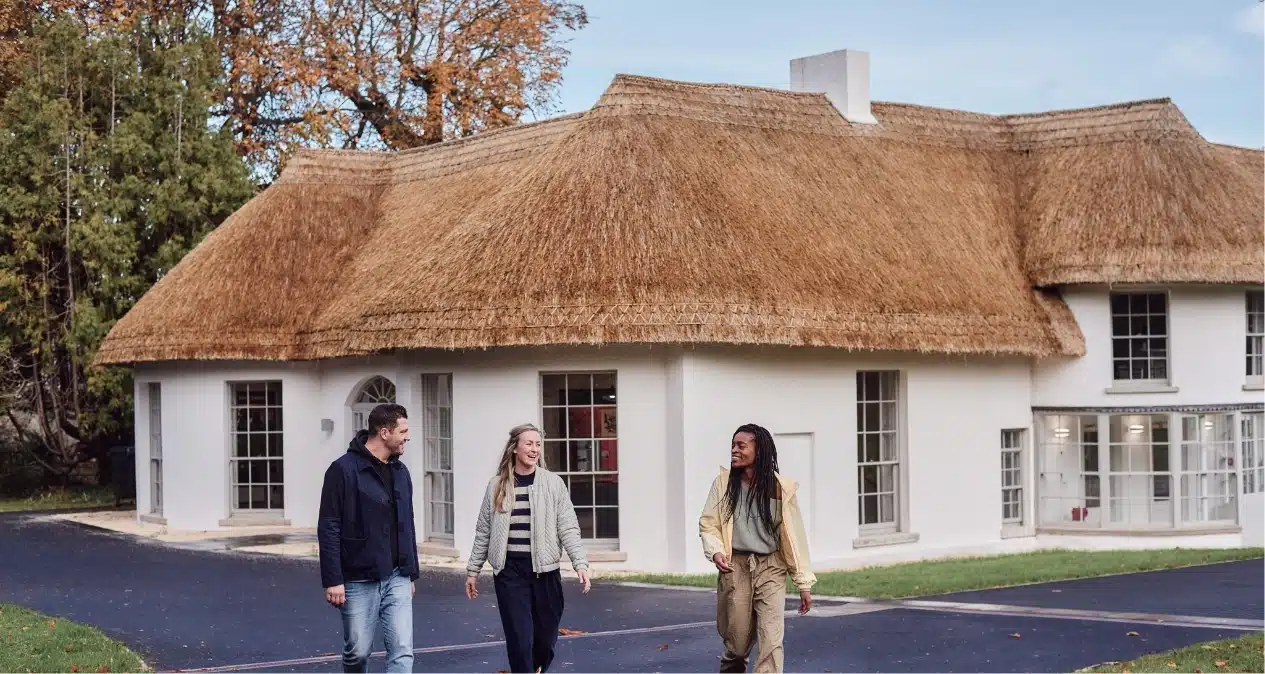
[{"x": 717, "y": 532}]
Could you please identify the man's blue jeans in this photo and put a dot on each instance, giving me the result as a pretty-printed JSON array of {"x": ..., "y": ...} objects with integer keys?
[{"x": 388, "y": 601}]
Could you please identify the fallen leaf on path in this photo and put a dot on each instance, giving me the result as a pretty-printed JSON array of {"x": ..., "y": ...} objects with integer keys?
[
  {"x": 1132, "y": 634},
  {"x": 567, "y": 632},
  {"x": 663, "y": 647},
  {"x": 1016, "y": 635},
  {"x": 1221, "y": 663}
]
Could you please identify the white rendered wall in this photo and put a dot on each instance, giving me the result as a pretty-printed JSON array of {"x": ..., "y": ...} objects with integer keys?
[
  {"x": 195, "y": 428},
  {"x": 1207, "y": 326},
  {"x": 955, "y": 411},
  {"x": 1252, "y": 518},
  {"x": 495, "y": 390}
]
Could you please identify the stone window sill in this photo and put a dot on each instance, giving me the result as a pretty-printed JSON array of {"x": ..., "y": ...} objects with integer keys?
[
  {"x": 600, "y": 556},
  {"x": 439, "y": 549},
  {"x": 1254, "y": 386},
  {"x": 1126, "y": 388},
  {"x": 255, "y": 521},
  {"x": 878, "y": 540}
]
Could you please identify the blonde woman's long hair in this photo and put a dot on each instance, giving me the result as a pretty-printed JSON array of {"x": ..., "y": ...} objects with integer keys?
[{"x": 505, "y": 471}]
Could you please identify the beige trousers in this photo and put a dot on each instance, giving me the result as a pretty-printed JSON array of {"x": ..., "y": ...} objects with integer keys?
[{"x": 751, "y": 602}]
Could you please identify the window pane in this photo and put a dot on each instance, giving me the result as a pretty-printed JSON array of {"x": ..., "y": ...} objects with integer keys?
[
  {"x": 604, "y": 388},
  {"x": 609, "y": 456},
  {"x": 607, "y": 490},
  {"x": 887, "y": 386},
  {"x": 887, "y": 475},
  {"x": 1137, "y": 303},
  {"x": 581, "y": 489},
  {"x": 554, "y": 428},
  {"x": 869, "y": 509},
  {"x": 1138, "y": 326},
  {"x": 607, "y": 523},
  {"x": 1119, "y": 325},
  {"x": 1157, "y": 303},
  {"x": 556, "y": 455},
  {"x": 873, "y": 422},
  {"x": 274, "y": 419},
  {"x": 258, "y": 444},
  {"x": 1159, "y": 325},
  {"x": 579, "y": 389},
  {"x": 887, "y": 447},
  {"x": 242, "y": 423},
  {"x": 275, "y": 442},
  {"x": 1120, "y": 348},
  {"x": 580, "y": 422},
  {"x": 1119, "y": 303},
  {"x": 554, "y": 389},
  {"x": 274, "y": 393},
  {"x": 580, "y": 455},
  {"x": 585, "y": 516},
  {"x": 604, "y": 422},
  {"x": 887, "y": 507}
]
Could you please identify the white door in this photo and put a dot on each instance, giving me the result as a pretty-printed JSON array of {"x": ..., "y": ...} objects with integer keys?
[{"x": 795, "y": 461}]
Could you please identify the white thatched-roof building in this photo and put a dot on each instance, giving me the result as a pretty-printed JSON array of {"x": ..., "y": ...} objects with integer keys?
[{"x": 968, "y": 332}]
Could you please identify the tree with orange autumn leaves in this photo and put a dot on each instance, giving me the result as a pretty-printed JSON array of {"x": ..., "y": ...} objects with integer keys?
[{"x": 374, "y": 74}]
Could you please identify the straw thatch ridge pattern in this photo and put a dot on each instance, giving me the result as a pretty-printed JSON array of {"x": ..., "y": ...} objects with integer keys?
[{"x": 676, "y": 213}]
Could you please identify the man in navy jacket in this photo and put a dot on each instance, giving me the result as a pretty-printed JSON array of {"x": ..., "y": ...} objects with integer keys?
[{"x": 368, "y": 543}]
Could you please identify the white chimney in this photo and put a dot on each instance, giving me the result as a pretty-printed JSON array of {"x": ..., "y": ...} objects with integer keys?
[{"x": 843, "y": 76}]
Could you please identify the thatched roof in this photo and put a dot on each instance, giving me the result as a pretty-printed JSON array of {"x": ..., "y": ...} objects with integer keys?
[{"x": 687, "y": 213}]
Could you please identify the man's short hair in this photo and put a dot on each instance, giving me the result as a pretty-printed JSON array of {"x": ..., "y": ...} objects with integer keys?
[{"x": 386, "y": 416}]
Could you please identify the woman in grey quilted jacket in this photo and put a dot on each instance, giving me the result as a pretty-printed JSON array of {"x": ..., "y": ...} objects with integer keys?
[{"x": 526, "y": 520}]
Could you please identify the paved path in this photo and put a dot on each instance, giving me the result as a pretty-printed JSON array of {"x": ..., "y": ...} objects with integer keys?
[{"x": 217, "y": 611}]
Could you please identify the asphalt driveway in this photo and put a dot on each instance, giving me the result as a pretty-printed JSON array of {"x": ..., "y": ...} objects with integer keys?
[{"x": 185, "y": 609}]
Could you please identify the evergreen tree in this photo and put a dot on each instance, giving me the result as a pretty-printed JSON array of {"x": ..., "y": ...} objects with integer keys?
[{"x": 109, "y": 174}]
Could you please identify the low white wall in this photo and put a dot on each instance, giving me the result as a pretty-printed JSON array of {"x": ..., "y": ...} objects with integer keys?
[
  {"x": 1207, "y": 327},
  {"x": 1252, "y": 518}
]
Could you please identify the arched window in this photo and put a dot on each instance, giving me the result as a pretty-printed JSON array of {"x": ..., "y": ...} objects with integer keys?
[{"x": 374, "y": 392}]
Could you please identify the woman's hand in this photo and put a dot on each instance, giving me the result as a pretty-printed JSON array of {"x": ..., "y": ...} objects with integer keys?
[
  {"x": 805, "y": 601},
  {"x": 472, "y": 586},
  {"x": 721, "y": 562},
  {"x": 584, "y": 579}
]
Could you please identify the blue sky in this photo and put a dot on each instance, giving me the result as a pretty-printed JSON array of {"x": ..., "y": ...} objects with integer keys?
[{"x": 979, "y": 55}]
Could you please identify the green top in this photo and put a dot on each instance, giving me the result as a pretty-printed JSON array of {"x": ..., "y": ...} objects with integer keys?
[{"x": 749, "y": 532}]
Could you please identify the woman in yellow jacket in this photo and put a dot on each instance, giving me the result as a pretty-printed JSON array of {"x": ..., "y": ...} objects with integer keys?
[{"x": 753, "y": 532}]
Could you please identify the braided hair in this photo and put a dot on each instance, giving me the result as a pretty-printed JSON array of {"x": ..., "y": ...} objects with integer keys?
[{"x": 763, "y": 480}]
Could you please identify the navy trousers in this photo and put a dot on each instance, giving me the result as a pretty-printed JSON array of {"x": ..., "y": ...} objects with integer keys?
[{"x": 531, "y": 609}]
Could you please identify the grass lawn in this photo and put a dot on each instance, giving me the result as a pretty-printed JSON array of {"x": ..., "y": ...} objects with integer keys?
[
  {"x": 1244, "y": 654},
  {"x": 61, "y": 499},
  {"x": 31, "y": 642},
  {"x": 917, "y": 579}
]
